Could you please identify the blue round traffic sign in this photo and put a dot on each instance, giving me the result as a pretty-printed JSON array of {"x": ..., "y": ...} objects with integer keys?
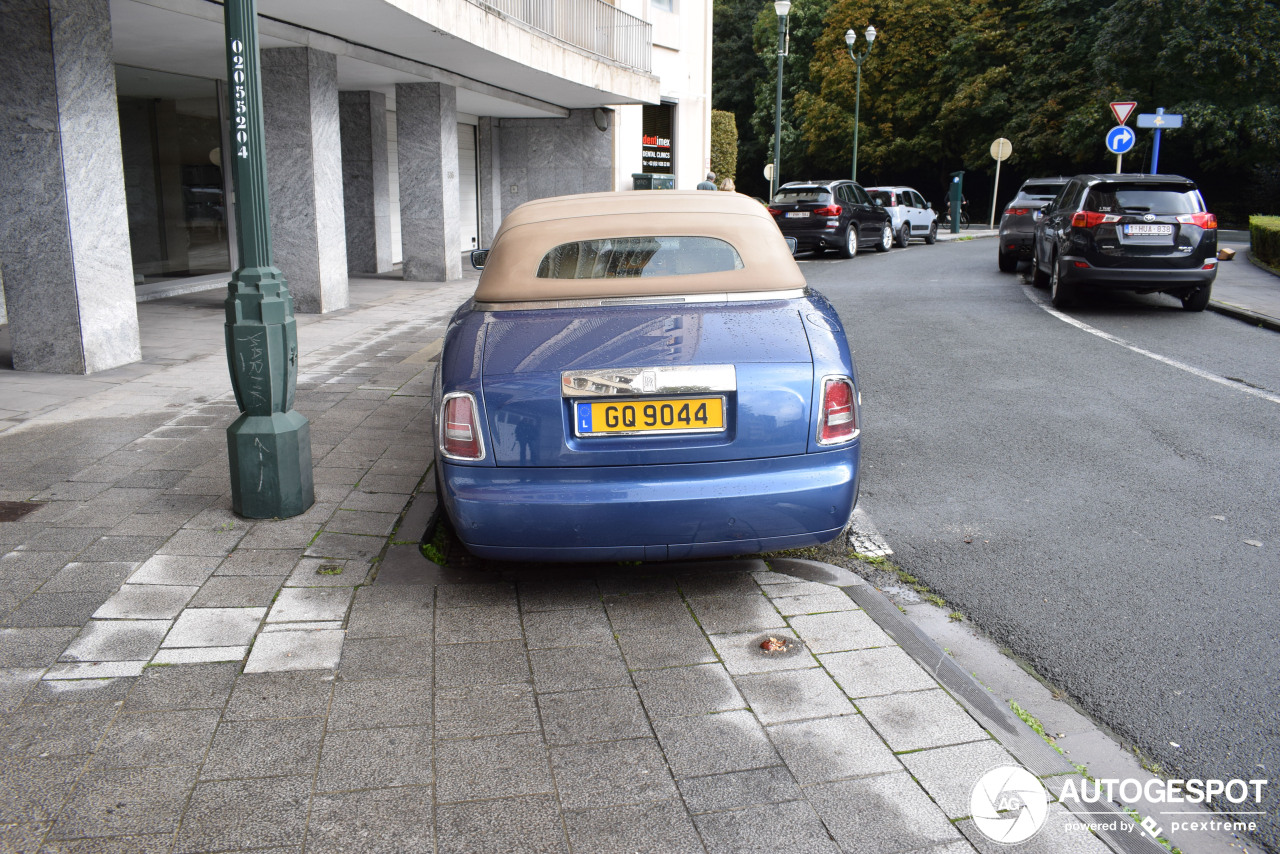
[{"x": 1120, "y": 139}]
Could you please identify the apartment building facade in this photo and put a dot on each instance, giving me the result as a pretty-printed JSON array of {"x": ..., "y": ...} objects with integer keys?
[{"x": 398, "y": 133}]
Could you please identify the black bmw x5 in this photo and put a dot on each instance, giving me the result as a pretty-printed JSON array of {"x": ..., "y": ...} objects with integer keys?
[{"x": 1141, "y": 233}]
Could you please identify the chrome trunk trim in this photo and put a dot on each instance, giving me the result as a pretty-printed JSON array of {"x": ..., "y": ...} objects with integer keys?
[
  {"x": 664, "y": 379},
  {"x": 676, "y": 299}
]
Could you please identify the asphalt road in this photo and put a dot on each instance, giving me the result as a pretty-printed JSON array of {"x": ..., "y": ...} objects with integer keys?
[{"x": 1123, "y": 512}]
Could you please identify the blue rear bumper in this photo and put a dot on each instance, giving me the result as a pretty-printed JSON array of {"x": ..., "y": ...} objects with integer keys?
[{"x": 655, "y": 512}]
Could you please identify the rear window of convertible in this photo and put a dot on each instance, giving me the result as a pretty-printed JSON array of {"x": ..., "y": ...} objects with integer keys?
[{"x": 638, "y": 257}]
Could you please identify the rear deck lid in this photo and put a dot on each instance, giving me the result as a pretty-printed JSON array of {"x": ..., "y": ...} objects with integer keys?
[{"x": 690, "y": 383}]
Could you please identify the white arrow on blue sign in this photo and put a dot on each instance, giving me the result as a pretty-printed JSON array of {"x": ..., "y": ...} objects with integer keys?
[{"x": 1120, "y": 139}]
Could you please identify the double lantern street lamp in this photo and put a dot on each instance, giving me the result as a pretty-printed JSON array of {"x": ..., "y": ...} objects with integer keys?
[
  {"x": 783, "y": 8},
  {"x": 849, "y": 38}
]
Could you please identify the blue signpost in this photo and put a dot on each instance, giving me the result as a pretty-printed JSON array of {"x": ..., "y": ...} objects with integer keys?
[{"x": 1160, "y": 120}]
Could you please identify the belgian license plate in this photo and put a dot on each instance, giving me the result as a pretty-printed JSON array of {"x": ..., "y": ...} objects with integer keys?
[
  {"x": 1144, "y": 230},
  {"x": 648, "y": 415},
  {"x": 797, "y": 214}
]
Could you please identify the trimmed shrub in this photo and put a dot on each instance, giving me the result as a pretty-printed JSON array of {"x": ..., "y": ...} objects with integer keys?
[
  {"x": 724, "y": 145},
  {"x": 1264, "y": 234}
]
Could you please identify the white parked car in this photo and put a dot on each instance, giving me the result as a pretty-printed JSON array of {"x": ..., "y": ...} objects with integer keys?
[{"x": 912, "y": 216}]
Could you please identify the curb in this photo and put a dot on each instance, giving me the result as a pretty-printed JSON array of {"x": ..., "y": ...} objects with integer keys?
[
  {"x": 1251, "y": 317},
  {"x": 1009, "y": 730}
]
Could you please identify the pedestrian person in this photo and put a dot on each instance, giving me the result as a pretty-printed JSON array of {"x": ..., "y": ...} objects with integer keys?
[
  {"x": 709, "y": 183},
  {"x": 727, "y": 186}
]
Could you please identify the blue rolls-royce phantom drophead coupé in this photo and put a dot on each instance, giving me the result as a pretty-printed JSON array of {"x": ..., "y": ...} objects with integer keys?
[{"x": 644, "y": 376}]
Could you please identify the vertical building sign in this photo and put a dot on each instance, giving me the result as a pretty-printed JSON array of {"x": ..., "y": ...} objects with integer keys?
[{"x": 656, "y": 149}]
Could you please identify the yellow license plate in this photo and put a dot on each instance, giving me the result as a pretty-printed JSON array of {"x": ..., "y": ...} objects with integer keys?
[{"x": 649, "y": 415}]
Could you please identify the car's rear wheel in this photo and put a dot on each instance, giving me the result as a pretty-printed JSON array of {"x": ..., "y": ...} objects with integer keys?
[
  {"x": 932, "y": 237},
  {"x": 1039, "y": 277},
  {"x": 850, "y": 247},
  {"x": 904, "y": 236},
  {"x": 1061, "y": 292},
  {"x": 1008, "y": 262},
  {"x": 1197, "y": 300},
  {"x": 886, "y": 238}
]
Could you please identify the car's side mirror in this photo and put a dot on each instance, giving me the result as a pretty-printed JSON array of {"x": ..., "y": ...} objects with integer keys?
[
  {"x": 478, "y": 257},
  {"x": 928, "y": 206},
  {"x": 793, "y": 245}
]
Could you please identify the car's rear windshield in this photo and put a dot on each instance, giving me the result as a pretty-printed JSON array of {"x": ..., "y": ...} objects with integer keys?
[
  {"x": 639, "y": 257},
  {"x": 1143, "y": 198},
  {"x": 797, "y": 195},
  {"x": 1041, "y": 191}
]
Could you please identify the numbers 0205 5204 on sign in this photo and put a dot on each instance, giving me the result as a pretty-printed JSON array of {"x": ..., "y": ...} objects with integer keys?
[{"x": 240, "y": 98}]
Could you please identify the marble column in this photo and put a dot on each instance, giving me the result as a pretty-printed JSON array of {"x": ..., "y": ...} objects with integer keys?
[
  {"x": 366, "y": 181},
  {"x": 430, "y": 207},
  {"x": 489, "y": 179},
  {"x": 64, "y": 232},
  {"x": 304, "y": 175}
]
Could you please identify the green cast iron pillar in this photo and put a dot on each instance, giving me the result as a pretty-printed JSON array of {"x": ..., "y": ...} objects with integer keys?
[{"x": 269, "y": 445}]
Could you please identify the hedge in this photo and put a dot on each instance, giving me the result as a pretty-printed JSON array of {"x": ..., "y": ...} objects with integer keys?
[
  {"x": 724, "y": 145},
  {"x": 1264, "y": 234}
]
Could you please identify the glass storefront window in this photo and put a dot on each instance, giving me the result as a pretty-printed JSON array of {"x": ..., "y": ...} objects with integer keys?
[{"x": 171, "y": 138}]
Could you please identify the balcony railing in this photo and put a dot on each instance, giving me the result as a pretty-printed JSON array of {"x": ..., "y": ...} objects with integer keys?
[{"x": 593, "y": 25}]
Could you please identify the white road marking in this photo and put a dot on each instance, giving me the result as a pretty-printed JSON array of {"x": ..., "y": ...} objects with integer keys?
[
  {"x": 1174, "y": 363},
  {"x": 864, "y": 538}
]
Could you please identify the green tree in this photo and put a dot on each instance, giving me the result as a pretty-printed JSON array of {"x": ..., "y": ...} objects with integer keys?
[
  {"x": 907, "y": 79},
  {"x": 805, "y": 24},
  {"x": 1217, "y": 62},
  {"x": 736, "y": 69},
  {"x": 946, "y": 77}
]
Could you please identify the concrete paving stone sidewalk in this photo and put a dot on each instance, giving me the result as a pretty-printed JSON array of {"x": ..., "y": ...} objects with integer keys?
[{"x": 176, "y": 678}]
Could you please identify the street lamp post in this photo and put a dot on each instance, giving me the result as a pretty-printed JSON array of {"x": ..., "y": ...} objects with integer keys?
[
  {"x": 782, "y": 7},
  {"x": 849, "y": 38},
  {"x": 269, "y": 445}
]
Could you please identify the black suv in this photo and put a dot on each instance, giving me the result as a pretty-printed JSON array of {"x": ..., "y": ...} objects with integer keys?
[
  {"x": 1017, "y": 223},
  {"x": 1143, "y": 233},
  {"x": 831, "y": 214}
]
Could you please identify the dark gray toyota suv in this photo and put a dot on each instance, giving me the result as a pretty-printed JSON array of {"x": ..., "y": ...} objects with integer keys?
[{"x": 1142, "y": 233}]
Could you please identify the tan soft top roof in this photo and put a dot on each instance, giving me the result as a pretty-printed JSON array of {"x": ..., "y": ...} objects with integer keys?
[{"x": 535, "y": 228}]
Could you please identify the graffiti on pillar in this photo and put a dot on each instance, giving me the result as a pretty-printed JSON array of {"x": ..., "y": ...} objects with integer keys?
[
  {"x": 263, "y": 453},
  {"x": 240, "y": 98},
  {"x": 251, "y": 352}
]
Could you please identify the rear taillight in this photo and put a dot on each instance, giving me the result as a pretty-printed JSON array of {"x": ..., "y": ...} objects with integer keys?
[
  {"x": 1204, "y": 220},
  {"x": 460, "y": 429},
  {"x": 775, "y": 211},
  {"x": 1017, "y": 211},
  {"x": 829, "y": 210},
  {"x": 839, "y": 419},
  {"x": 1088, "y": 219}
]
